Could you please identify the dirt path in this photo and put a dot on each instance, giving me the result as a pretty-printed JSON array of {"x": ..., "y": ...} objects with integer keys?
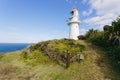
[{"x": 100, "y": 62}]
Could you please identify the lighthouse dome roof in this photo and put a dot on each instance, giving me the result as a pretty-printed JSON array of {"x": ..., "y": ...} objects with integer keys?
[{"x": 74, "y": 12}]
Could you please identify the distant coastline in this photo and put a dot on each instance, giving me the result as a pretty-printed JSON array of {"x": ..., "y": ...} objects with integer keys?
[{"x": 10, "y": 47}]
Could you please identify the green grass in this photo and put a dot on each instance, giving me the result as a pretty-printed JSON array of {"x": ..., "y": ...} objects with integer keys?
[{"x": 96, "y": 66}]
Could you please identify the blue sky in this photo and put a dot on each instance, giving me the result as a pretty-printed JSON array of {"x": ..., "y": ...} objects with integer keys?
[{"x": 29, "y": 21}]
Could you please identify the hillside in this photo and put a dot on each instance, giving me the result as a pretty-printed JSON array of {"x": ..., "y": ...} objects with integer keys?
[{"x": 20, "y": 66}]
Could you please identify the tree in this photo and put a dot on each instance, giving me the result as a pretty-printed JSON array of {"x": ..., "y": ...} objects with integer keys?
[
  {"x": 112, "y": 33},
  {"x": 116, "y": 29}
]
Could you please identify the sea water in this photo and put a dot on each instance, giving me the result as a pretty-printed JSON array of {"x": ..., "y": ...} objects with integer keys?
[{"x": 9, "y": 47}]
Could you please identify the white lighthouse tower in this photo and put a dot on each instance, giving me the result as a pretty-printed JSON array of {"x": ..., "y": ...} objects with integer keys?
[{"x": 74, "y": 23}]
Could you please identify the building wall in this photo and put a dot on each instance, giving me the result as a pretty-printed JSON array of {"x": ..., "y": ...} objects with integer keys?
[{"x": 74, "y": 31}]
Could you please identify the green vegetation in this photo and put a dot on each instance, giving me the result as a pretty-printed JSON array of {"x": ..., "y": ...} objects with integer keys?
[
  {"x": 109, "y": 37},
  {"x": 57, "y": 46},
  {"x": 53, "y": 51},
  {"x": 36, "y": 66},
  {"x": 34, "y": 58},
  {"x": 109, "y": 41}
]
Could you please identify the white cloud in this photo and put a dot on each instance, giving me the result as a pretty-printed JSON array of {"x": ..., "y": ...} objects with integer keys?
[
  {"x": 75, "y": 2},
  {"x": 105, "y": 6},
  {"x": 103, "y": 19},
  {"x": 99, "y": 21},
  {"x": 84, "y": 1},
  {"x": 87, "y": 13},
  {"x": 106, "y": 12}
]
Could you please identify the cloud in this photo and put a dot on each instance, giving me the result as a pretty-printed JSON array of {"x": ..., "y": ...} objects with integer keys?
[
  {"x": 103, "y": 19},
  {"x": 87, "y": 13},
  {"x": 105, "y": 6},
  {"x": 105, "y": 12},
  {"x": 84, "y": 1},
  {"x": 73, "y": 2},
  {"x": 100, "y": 20}
]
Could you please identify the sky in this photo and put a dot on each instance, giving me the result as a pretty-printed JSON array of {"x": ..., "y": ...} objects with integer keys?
[{"x": 32, "y": 21}]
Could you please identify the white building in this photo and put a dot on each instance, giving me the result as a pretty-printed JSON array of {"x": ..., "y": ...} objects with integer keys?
[{"x": 74, "y": 23}]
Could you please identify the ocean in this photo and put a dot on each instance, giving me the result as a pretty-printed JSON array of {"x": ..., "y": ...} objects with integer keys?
[{"x": 9, "y": 47}]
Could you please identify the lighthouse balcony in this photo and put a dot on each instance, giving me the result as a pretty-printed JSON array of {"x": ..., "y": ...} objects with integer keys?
[
  {"x": 74, "y": 16},
  {"x": 73, "y": 21}
]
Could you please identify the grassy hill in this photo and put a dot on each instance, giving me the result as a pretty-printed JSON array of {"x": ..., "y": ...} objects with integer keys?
[{"x": 44, "y": 66}]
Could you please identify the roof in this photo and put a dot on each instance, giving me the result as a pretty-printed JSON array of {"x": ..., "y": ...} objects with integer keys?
[{"x": 74, "y": 9}]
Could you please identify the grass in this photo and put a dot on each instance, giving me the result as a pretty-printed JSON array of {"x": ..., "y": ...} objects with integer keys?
[{"x": 95, "y": 67}]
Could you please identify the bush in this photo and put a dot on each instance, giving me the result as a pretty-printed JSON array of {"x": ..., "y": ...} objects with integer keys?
[
  {"x": 54, "y": 50},
  {"x": 39, "y": 57},
  {"x": 1, "y": 56},
  {"x": 34, "y": 58},
  {"x": 114, "y": 53},
  {"x": 81, "y": 37},
  {"x": 24, "y": 55}
]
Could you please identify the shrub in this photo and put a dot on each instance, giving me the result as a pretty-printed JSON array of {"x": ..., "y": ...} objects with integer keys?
[
  {"x": 38, "y": 57},
  {"x": 24, "y": 55},
  {"x": 81, "y": 37},
  {"x": 1, "y": 55}
]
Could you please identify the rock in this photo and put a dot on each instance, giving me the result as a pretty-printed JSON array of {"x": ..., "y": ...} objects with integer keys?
[{"x": 81, "y": 56}]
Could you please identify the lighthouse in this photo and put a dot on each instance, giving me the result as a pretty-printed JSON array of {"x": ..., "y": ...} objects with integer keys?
[{"x": 74, "y": 23}]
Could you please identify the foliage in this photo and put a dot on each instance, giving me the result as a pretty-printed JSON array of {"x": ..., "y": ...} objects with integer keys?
[
  {"x": 38, "y": 57},
  {"x": 113, "y": 32},
  {"x": 1, "y": 55},
  {"x": 114, "y": 53},
  {"x": 23, "y": 55},
  {"x": 12, "y": 68},
  {"x": 34, "y": 58},
  {"x": 81, "y": 37},
  {"x": 96, "y": 37},
  {"x": 110, "y": 35},
  {"x": 57, "y": 46},
  {"x": 109, "y": 39},
  {"x": 55, "y": 50}
]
